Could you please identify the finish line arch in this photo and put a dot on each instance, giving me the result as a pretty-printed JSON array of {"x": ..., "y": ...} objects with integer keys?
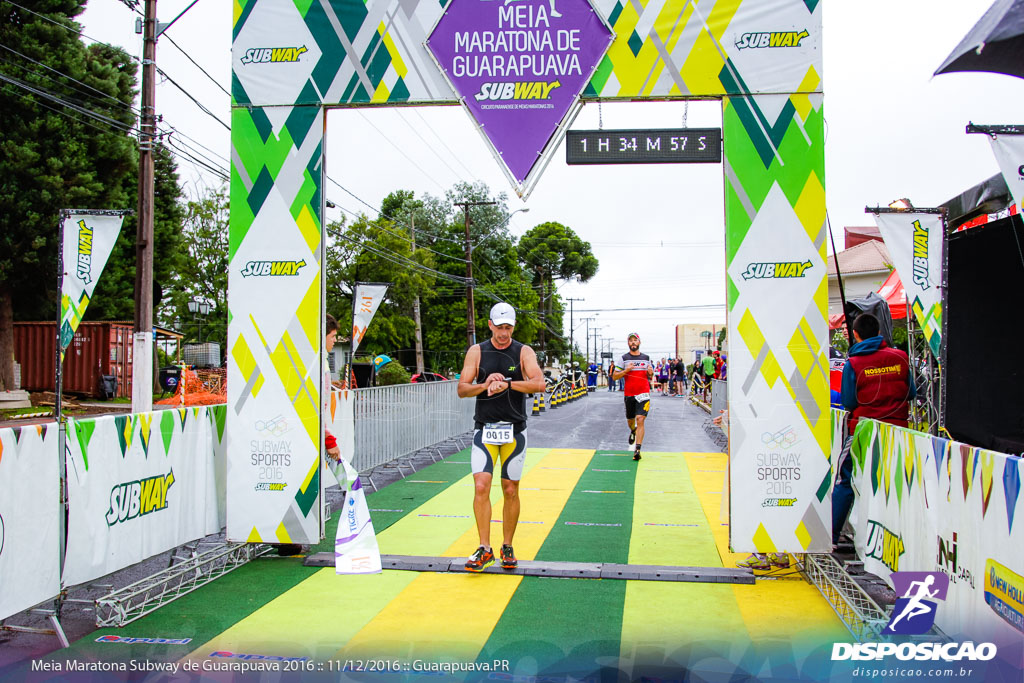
[{"x": 760, "y": 58}]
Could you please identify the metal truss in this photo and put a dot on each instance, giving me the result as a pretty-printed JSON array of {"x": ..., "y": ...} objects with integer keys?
[
  {"x": 136, "y": 600},
  {"x": 924, "y": 412},
  {"x": 856, "y": 609}
]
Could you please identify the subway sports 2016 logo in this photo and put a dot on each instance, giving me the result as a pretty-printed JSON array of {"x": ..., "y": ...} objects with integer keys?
[
  {"x": 516, "y": 90},
  {"x": 776, "y": 270},
  {"x": 273, "y": 55},
  {"x": 771, "y": 39},
  {"x": 272, "y": 268}
]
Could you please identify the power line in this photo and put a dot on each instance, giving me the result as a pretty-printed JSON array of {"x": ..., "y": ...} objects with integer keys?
[
  {"x": 71, "y": 105},
  {"x": 189, "y": 95},
  {"x": 196, "y": 64},
  {"x": 108, "y": 96}
]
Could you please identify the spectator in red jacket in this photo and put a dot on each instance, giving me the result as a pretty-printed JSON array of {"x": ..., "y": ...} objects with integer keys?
[{"x": 878, "y": 384}]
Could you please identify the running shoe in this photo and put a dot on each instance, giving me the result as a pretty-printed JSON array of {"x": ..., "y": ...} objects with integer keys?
[
  {"x": 508, "y": 557},
  {"x": 780, "y": 560},
  {"x": 481, "y": 559},
  {"x": 632, "y": 437},
  {"x": 755, "y": 561},
  {"x": 636, "y": 454}
]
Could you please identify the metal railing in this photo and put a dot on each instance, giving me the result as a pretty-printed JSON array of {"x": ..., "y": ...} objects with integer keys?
[{"x": 394, "y": 421}]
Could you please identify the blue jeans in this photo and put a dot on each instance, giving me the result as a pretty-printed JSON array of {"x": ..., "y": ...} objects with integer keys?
[{"x": 842, "y": 493}]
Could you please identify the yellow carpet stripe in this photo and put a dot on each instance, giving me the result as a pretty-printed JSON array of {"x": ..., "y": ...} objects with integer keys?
[
  {"x": 659, "y": 616},
  {"x": 398, "y": 631},
  {"x": 342, "y": 605},
  {"x": 788, "y": 608}
]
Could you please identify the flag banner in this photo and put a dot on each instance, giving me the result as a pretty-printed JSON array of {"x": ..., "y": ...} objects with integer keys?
[
  {"x": 926, "y": 503},
  {"x": 914, "y": 241},
  {"x": 139, "y": 485},
  {"x": 88, "y": 241},
  {"x": 366, "y": 301},
  {"x": 29, "y": 517},
  {"x": 355, "y": 542},
  {"x": 1009, "y": 153}
]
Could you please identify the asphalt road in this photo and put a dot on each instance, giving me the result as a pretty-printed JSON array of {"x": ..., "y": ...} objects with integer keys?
[{"x": 599, "y": 422}]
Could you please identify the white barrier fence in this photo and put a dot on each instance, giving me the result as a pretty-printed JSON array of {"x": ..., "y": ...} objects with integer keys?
[
  {"x": 139, "y": 485},
  {"x": 29, "y": 517},
  {"x": 930, "y": 504},
  {"x": 142, "y": 484},
  {"x": 400, "y": 419}
]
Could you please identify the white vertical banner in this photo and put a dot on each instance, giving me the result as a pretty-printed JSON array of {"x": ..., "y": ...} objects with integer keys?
[
  {"x": 365, "y": 302},
  {"x": 915, "y": 243},
  {"x": 29, "y": 517},
  {"x": 1009, "y": 153},
  {"x": 88, "y": 240}
]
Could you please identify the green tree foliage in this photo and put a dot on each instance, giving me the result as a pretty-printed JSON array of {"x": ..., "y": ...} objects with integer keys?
[
  {"x": 552, "y": 252},
  {"x": 380, "y": 250},
  {"x": 202, "y": 270},
  {"x": 114, "y": 298},
  {"x": 377, "y": 251},
  {"x": 64, "y": 143},
  {"x": 392, "y": 373}
]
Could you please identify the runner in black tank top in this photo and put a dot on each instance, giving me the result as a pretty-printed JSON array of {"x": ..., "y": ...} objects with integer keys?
[{"x": 498, "y": 372}]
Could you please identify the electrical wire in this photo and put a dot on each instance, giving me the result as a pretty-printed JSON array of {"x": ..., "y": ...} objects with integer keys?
[
  {"x": 107, "y": 96},
  {"x": 194, "y": 63},
  {"x": 66, "y": 28},
  {"x": 189, "y": 95},
  {"x": 71, "y": 105}
]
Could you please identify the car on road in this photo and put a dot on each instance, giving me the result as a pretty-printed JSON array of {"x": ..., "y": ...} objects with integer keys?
[{"x": 428, "y": 377}]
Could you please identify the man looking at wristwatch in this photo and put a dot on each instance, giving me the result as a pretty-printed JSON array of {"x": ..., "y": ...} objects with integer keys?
[{"x": 499, "y": 372}]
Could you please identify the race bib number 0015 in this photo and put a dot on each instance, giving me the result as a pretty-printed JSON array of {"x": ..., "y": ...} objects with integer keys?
[{"x": 498, "y": 433}]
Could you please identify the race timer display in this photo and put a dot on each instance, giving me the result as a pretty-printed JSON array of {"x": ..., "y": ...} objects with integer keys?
[{"x": 660, "y": 146}]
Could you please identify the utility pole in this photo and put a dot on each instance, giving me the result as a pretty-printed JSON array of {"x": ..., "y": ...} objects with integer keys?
[
  {"x": 416, "y": 307},
  {"x": 142, "y": 357},
  {"x": 470, "y": 307},
  {"x": 570, "y": 300},
  {"x": 587, "y": 356}
]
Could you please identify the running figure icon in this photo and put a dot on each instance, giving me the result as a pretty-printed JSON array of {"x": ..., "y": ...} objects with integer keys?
[{"x": 915, "y": 605}]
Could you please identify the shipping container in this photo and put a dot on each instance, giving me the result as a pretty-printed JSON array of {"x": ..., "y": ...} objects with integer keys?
[{"x": 98, "y": 348}]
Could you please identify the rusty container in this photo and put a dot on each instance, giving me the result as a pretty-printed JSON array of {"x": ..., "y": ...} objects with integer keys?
[{"x": 98, "y": 348}]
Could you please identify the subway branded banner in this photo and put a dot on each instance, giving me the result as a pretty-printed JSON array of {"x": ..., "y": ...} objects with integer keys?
[
  {"x": 275, "y": 327},
  {"x": 930, "y": 504},
  {"x": 87, "y": 242},
  {"x": 365, "y": 303},
  {"x": 139, "y": 485},
  {"x": 29, "y": 517},
  {"x": 779, "y": 424},
  {"x": 915, "y": 242},
  {"x": 1009, "y": 153},
  {"x": 762, "y": 57}
]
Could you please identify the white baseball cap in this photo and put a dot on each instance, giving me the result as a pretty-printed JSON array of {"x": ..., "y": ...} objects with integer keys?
[{"x": 503, "y": 314}]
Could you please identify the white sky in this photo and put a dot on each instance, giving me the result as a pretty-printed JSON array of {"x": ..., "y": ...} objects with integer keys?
[{"x": 892, "y": 131}]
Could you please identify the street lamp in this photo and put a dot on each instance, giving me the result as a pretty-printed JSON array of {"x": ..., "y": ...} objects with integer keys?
[{"x": 199, "y": 308}]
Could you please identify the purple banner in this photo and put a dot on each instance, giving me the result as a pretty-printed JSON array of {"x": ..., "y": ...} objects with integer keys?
[{"x": 519, "y": 65}]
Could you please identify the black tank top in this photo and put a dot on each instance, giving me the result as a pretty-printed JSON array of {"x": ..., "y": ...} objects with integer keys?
[{"x": 508, "y": 406}]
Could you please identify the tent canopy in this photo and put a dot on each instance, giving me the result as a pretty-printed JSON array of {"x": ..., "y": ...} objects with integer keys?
[{"x": 893, "y": 293}]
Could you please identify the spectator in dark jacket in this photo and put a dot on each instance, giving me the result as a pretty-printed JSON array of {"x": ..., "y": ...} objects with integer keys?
[{"x": 878, "y": 384}]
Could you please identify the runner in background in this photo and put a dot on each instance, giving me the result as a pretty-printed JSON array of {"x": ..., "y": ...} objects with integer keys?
[{"x": 637, "y": 372}]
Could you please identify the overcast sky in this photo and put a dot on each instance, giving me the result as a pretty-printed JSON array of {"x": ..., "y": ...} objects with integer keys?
[{"x": 658, "y": 231}]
